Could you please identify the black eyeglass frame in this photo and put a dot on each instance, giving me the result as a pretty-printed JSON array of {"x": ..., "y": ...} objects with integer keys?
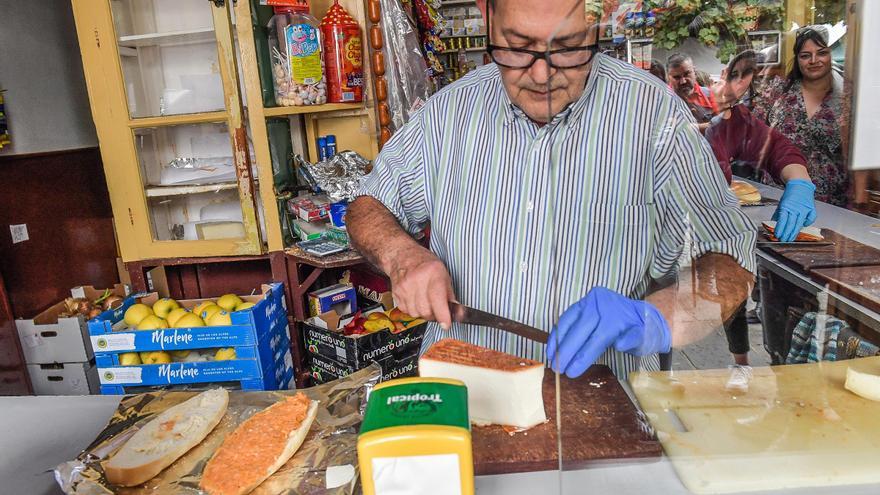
[
  {"x": 545, "y": 55},
  {"x": 536, "y": 54}
]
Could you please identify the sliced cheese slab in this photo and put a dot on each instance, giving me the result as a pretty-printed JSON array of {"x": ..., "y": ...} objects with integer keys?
[{"x": 502, "y": 389}]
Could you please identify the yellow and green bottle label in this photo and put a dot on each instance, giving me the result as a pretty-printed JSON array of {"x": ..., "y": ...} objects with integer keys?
[{"x": 417, "y": 403}]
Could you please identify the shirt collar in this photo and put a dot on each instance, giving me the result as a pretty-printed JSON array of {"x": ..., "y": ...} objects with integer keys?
[{"x": 571, "y": 114}]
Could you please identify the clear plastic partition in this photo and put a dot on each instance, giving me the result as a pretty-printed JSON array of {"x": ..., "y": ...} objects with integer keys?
[{"x": 708, "y": 252}]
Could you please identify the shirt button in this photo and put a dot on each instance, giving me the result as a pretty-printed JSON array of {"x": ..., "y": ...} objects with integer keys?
[
  {"x": 530, "y": 206},
  {"x": 523, "y": 267}
]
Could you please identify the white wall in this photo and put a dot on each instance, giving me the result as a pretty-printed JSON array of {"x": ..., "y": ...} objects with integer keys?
[{"x": 47, "y": 106}]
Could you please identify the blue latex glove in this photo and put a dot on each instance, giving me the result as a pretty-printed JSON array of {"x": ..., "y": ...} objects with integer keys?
[
  {"x": 796, "y": 210},
  {"x": 601, "y": 319}
]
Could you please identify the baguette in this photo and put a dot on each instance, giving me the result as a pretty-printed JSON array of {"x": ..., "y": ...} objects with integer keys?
[
  {"x": 806, "y": 234},
  {"x": 259, "y": 447},
  {"x": 166, "y": 438}
]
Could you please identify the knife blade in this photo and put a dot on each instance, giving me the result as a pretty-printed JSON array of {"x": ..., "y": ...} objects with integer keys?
[{"x": 464, "y": 314}]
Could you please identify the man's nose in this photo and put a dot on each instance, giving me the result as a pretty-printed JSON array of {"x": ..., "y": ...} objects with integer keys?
[{"x": 540, "y": 71}]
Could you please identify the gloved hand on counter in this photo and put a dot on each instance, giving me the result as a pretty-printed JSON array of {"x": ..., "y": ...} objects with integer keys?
[
  {"x": 601, "y": 319},
  {"x": 797, "y": 209}
]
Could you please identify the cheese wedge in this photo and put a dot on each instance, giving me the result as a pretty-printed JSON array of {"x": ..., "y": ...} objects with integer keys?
[
  {"x": 807, "y": 234},
  {"x": 259, "y": 446},
  {"x": 502, "y": 389},
  {"x": 166, "y": 438}
]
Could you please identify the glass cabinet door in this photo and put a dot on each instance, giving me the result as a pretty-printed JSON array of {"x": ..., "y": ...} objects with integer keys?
[
  {"x": 168, "y": 55},
  {"x": 167, "y": 105}
]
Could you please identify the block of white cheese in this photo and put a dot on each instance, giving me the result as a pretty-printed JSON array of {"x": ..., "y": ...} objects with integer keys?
[{"x": 502, "y": 389}]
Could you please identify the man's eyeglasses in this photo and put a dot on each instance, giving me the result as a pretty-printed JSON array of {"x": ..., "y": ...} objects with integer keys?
[{"x": 563, "y": 58}]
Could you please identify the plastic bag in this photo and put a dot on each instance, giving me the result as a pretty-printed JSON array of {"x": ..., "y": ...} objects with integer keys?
[{"x": 405, "y": 69}]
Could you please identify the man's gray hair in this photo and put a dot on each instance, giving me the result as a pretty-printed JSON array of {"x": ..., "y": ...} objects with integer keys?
[{"x": 677, "y": 60}]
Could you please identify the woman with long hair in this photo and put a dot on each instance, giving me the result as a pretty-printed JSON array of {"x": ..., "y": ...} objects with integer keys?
[{"x": 807, "y": 108}]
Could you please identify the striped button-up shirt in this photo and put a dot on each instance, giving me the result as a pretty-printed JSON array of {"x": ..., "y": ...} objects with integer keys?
[{"x": 613, "y": 192}]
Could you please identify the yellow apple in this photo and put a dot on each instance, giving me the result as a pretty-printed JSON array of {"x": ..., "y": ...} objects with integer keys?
[
  {"x": 245, "y": 305},
  {"x": 152, "y": 322},
  {"x": 189, "y": 320},
  {"x": 156, "y": 357},
  {"x": 224, "y": 354},
  {"x": 163, "y": 306},
  {"x": 397, "y": 315},
  {"x": 378, "y": 325},
  {"x": 175, "y": 315},
  {"x": 229, "y": 301},
  {"x": 378, "y": 315},
  {"x": 179, "y": 355},
  {"x": 136, "y": 313},
  {"x": 219, "y": 319},
  {"x": 202, "y": 305},
  {"x": 129, "y": 359},
  {"x": 209, "y": 311}
]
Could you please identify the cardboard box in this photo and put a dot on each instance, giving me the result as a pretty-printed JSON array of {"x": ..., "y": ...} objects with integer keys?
[
  {"x": 371, "y": 286},
  {"x": 322, "y": 337},
  {"x": 307, "y": 231},
  {"x": 311, "y": 208},
  {"x": 64, "y": 378},
  {"x": 49, "y": 339},
  {"x": 340, "y": 298},
  {"x": 324, "y": 370}
]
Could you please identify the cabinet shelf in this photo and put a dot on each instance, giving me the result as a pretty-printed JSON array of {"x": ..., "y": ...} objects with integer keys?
[
  {"x": 298, "y": 110},
  {"x": 453, "y": 3},
  {"x": 187, "y": 37},
  {"x": 166, "y": 191}
]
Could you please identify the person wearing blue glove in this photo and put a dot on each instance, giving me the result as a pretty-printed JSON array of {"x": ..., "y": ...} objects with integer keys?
[
  {"x": 797, "y": 209},
  {"x": 600, "y": 320}
]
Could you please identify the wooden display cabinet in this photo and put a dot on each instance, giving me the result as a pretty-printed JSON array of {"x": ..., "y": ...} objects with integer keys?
[{"x": 178, "y": 105}]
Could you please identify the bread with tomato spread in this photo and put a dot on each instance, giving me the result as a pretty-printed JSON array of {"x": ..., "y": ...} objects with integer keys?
[
  {"x": 166, "y": 438},
  {"x": 259, "y": 446}
]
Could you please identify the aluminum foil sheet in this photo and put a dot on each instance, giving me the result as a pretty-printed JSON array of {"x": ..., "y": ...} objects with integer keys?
[
  {"x": 329, "y": 448},
  {"x": 339, "y": 177}
]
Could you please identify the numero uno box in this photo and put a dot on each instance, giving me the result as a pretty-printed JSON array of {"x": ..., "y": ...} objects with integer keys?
[
  {"x": 323, "y": 337},
  {"x": 324, "y": 370}
]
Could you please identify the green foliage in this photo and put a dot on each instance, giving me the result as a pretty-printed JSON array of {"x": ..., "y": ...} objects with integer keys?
[{"x": 711, "y": 22}]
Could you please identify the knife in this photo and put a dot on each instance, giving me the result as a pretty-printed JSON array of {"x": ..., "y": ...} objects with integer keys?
[{"x": 464, "y": 314}]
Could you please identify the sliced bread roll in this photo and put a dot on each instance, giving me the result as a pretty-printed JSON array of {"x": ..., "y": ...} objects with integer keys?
[
  {"x": 166, "y": 438},
  {"x": 807, "y": 234},
  {"x": 259, "y": 446},
  {"x": 745, "y": 192}
]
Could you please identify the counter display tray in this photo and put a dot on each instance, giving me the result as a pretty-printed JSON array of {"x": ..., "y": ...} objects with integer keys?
[
  {"x": 861, "y": 284},
  {"x": 599, "y": 422},
  {"x": 842, "y": 251}
]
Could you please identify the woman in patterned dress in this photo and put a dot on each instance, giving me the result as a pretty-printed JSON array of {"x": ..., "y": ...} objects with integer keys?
[{"x": 807, "y": 108}]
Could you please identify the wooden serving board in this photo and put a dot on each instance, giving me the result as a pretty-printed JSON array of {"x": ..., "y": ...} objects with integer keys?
[
  {"x": 844, "y": 252},
  {"x": 861, "y": 284},
  {"x": 599, "y": 422}
]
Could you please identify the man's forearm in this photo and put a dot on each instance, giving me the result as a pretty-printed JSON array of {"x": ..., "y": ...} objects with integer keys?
[
  {"x": 705, "y": 295},
  {"x": 376, "y": 234}
]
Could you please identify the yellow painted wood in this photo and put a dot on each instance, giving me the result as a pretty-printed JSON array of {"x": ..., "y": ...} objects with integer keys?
[
  {"x": 356, "y": 133},
  {"x": 183, "y": 119},
  {"x": 105, "y": 83},
  {"x": 237, "y": 130},
  {"x": 257, "y": 122},
  {"x": 309, "y": 109}
]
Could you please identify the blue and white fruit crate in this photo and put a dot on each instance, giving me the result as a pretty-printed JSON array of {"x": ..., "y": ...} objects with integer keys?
[{"x": 252, "y": 350}]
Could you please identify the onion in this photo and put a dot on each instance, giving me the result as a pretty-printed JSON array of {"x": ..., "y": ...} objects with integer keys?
[{"x": 112, "y": 302}]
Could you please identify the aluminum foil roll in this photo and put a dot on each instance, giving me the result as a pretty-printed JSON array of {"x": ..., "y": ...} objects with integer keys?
[{"x": 339, "y": 177}]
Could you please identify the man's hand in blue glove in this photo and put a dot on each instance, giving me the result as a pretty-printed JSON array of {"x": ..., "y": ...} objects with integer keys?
[
  {"x": 796, "y": 210},
  {"x": 601, "y": 319}
]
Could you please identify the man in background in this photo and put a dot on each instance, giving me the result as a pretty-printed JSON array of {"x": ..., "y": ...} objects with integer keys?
[{"x": 682, "y": 78}]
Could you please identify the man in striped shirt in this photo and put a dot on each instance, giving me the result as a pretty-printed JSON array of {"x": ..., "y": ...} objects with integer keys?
[{"x": 557, "y": 183}]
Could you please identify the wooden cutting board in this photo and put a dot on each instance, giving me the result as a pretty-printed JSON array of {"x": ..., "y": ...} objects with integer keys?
[
  {"x": 861, "y": 284},
  {"x": 844, "y": 252},
  {"x": 795, "y": 427},
  {"x": 599, "y": 422}
]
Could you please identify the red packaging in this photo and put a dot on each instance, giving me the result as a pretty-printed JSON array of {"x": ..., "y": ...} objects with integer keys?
[{"x": 343, "y": 56}]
